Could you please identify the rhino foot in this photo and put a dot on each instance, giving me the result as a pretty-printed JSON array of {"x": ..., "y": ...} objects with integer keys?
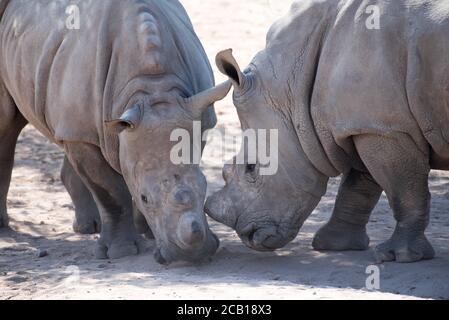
[
  {"x": 120, "y": 248},
  {"x": 87, "y": 226},
  {"x": 405, "y": 249},
  {"x": 340, "y": 236}
]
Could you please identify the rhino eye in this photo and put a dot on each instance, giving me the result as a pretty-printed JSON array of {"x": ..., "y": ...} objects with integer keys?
[{"x": 144, "y": 199}]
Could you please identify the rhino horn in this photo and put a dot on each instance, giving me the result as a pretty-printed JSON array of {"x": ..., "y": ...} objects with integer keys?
[{"x": 199, "y": 103}]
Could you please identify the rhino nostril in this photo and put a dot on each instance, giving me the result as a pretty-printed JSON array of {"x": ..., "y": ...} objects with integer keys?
[
  {"x": 248, "y": 232},
  {"x": 262, "y": 239},
  {"x": 191, "y": 230},
  {"x": 266, "y": 239},
  {"x": 251, "y": 236},
  {"x": 196, "y": 234},
  {"x": 196, "y": 228}
]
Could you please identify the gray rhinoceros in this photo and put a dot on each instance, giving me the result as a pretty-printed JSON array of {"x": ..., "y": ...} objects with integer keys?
[
  {"x": 371, "y": 103},
  {"x": 110, "y": 93}
]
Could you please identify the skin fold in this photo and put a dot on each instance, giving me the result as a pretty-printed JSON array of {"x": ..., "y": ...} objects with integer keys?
[{"x": 368, "y": 104}]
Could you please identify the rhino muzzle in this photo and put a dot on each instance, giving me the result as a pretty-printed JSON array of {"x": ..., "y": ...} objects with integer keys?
[
  {"x": 265, "y": 238},
  {"x": 191, "y": 231},
  {"x": 190, "y": 241},
  {"x": 203, "y": 249}
]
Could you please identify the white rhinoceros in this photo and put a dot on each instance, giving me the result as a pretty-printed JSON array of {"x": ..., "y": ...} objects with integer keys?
[
  {"x": 110, "y": 93},
  {"x": 355, "y": 87}
]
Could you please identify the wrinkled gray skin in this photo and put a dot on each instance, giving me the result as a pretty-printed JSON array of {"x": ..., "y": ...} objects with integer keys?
[
  {"x": 369, "y": 104},
  {"x": 110, "y": 94}
]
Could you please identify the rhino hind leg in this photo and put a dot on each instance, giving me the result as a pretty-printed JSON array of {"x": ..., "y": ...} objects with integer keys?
[
  {"x": 118, "y": 237},
  {"x": 346, "y": 230},
  {"x": 11, "y": 124},
  {"x": 87, "y": 218},
  {"x": 402, "y": 170}
]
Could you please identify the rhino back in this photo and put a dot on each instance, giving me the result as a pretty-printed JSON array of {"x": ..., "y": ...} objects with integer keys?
[
  {"x": 347, "y": 79},
  {"x": 391, "y": 79},
  {"x": 68, "y": 82},
  {"x": 44, "y": 66}
]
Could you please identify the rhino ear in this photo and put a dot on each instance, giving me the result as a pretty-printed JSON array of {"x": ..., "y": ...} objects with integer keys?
[
  {"x": 128, "y": 121},
  {"x": 227, "y": 64}
]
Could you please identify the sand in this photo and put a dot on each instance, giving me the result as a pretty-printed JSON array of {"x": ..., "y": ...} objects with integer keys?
[{"x": 41, "y": 218}]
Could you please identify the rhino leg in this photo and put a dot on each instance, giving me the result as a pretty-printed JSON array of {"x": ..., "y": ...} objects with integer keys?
[
  {"x": 346, "y": 230},
  {"x": 402, "y": 170},
  {"x": 11, "y": 124},
  {"x": 87, "y": 218},
  {"x": 118, "y": 237}
]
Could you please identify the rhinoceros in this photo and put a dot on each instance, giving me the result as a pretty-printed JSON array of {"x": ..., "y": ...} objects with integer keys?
[
  {"x": 368, "y": 99},
  {"x": 110, "y": 92}
]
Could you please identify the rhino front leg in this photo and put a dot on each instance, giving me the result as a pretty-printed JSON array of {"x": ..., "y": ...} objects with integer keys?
[
  {"x": 403, "y": 171},
  {"x": 87, "y": 218},
  {"x": 346, "y": 230},
  {"x": 118, "y": 237}
]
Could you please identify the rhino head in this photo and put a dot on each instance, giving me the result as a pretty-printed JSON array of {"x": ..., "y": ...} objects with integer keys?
[
  {"x": 266, "y": 211},
  {"x": 170, "y": 196}
]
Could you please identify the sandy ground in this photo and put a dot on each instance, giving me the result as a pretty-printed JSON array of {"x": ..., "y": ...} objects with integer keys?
[{"x": 41, "y": 217}]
